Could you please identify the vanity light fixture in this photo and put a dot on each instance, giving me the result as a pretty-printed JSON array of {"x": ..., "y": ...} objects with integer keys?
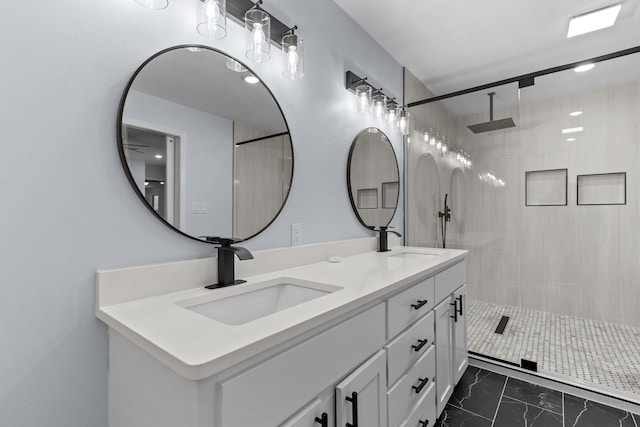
[
  {"x": 392, "y": 113},
  {"x": 258, "y": 24},
  {"x": 363, "y": 95},
  {"x": 584, "y": 67},
  {"x": 373, "y": 100},
  {"x": 404, "y": 121},
  {"x": 158, "y": 156},
  {"x": 212, "y": 19},
  {"x": 154, "y": 4},
  {"x": 379, "y": 105},
  {"x": 594, "y": 20},
  {"x": 575, "y": 113},
  {"x": 293, "y": 49}
]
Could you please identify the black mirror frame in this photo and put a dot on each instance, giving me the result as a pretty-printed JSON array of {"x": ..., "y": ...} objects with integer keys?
[
  {"x": 125, "y": 165},
  {"x": 353, "y": 203}
]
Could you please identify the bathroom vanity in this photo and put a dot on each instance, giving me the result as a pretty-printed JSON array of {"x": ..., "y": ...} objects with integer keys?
[{"x": 369, "y": 339}]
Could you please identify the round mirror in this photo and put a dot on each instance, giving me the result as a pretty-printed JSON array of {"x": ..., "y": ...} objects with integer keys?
[
  {"x": 205, "y": 144},
  {"x": 373, "y": 178}
]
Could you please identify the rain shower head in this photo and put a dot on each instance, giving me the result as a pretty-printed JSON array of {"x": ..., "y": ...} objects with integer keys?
[{"x": 492, "y": 125}]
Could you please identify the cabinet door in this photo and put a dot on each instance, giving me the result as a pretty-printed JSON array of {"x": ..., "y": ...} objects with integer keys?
[
  {"x": 318, "y": 413},
  {"x": 460, "y": 356},
  {"x": 360, "y": 398},
  {"x": 444, "y": 344}
]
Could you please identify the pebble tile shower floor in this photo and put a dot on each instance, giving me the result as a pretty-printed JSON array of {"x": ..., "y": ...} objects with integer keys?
[{"x": 589, "y": 350}]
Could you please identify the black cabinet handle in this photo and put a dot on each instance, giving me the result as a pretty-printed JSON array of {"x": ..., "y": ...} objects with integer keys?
[
  {"x": 423, "y": 382},
  {"x": 323, "y": 420},
  {"x": 424, "y": 423},
  {"x": 455, "y": 311},
  {"x": 354, "y": 402},
  {"x": 460, "y": 309},
  {"x": 419, "y": 304},
  {"x": 421, "y": 343}
]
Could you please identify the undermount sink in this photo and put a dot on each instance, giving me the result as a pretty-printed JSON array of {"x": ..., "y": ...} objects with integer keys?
[
  {"x": 414, "y": 255},
  {"x": 260, "y": 300}
]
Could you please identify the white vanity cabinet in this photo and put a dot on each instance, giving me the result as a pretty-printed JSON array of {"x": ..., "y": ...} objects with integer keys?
[
  {"x": 390, "y": 362},
  {"x": 451, "y": 331},
  {"x": 360, "y": 398}
]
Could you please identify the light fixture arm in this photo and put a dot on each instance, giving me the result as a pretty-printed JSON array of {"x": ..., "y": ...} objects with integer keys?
[
  {"x": 255, "y": 6},
  {"x": 290, "y": 31}
]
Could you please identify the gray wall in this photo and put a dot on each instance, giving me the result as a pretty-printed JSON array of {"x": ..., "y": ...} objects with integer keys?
[{"x": 65, "y": 66}]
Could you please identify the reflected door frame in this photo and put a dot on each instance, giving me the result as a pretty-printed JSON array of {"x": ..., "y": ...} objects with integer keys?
[{"x": 175, "y": 184}]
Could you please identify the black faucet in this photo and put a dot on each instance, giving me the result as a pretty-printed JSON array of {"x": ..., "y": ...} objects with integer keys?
[
  {"x": 226, "y": 270},
  {"x": 383, "y": 241}
]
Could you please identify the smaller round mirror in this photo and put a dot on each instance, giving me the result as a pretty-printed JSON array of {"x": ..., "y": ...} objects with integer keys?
[{"x": 373, "y": 178}]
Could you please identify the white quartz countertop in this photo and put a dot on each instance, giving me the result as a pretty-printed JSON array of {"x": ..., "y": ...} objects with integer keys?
[{"x": 197, "y": 347}]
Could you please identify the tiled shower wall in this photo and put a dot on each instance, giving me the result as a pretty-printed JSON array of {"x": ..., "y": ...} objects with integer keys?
[{"x": 577, "y": 260}]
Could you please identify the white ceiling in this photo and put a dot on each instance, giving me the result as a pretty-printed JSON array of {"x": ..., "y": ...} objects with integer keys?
[{"x": 455, "y": 45}]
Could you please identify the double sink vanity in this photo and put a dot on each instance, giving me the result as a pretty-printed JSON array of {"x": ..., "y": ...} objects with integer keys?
[
  {"x": 329, "y": 334},
  {"x": 360, "y": 339}
]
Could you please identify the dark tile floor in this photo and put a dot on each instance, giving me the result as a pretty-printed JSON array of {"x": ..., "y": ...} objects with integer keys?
[{"x": 486, "y": 399}]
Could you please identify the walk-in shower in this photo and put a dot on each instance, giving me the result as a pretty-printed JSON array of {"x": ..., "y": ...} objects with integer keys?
[{"x": 550, "y": 216}]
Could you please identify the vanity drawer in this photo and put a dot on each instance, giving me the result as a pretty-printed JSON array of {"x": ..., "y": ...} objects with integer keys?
[
  {"x": 312, "y": 414},
  {"x": 450, "y": 279},
  {"x": 424, "y": 413},
  {"x": 407, "y": 347},
  {"x": 411, "y": 387},
  {"x": 409, "y": 305},
  {"x": 270, "y": 392}
]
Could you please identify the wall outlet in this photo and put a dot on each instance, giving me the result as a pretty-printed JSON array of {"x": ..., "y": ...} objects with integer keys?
[{"x": 296, "y": 232}]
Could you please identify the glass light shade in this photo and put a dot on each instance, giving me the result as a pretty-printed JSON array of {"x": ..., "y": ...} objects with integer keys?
[
  {"x": 403, "y": 122},
  {"x": 379, "y": 106},
  {"x": 392, "y": 116},
  {"x": 258, "y": 24},
  {"x": 433, "y": 138},
  {"x": 363, "y": 94},
  {"x": 154, "y": 4},
  {"x": 293, "y": 57},
  {"x": 212, "y": 19},
  {"x": 234, "y": 65}
]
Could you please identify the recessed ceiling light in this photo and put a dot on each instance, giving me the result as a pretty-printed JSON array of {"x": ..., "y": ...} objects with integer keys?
[
  {"x": 575, "y": 113},
  {"x": 571, "y": 139},
  {"x": 583, "y": 68},
  {"x": 158, "y": 156},
  {"x": 594, "y": 20},
  {"x": 572, "y": 130},
  {"x": 251, "y": 79}
]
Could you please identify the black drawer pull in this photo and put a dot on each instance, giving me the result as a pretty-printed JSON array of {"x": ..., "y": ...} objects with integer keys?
[
  {"x": 354, "y": 402},
  {"x": 460, "y": 309},
  {"x": 423, "y": 382},
  {"x": 421, "y": 343},
  {"x": 455, "y": 311},
  {"x": 424, "y": 423},
  {"x": 324, "y": 421},
  {"x": 419, "y": 304}
]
